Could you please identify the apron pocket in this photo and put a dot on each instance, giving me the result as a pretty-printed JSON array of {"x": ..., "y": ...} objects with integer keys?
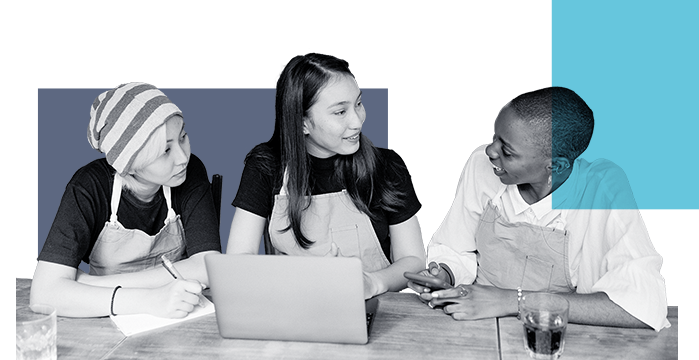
[
  {"x": 347, "y": 240},
  {"x": 537, "y": 274}
]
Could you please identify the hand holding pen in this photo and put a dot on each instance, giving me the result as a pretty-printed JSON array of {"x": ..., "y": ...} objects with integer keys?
[{"x": 176, "y": 275}]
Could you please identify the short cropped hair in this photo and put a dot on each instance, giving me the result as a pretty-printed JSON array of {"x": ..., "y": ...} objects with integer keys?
[{"x": 565, "y": 120}]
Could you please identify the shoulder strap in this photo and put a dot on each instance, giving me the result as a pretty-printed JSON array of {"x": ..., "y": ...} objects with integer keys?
[
  {"x": 116, "y": 197},
  {"x": 168, "y": 198}
]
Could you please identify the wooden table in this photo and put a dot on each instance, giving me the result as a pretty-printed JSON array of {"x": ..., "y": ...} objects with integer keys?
[
  {"x": 598, "y": 342},
  {"x": 403, "y": 328}
]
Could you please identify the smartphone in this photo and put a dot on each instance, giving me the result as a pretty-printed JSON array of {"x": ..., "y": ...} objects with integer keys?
[{"x": 428, "y": 281}]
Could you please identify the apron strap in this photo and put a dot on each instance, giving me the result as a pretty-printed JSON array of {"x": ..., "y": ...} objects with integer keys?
[
  {"x": 284, "y": 182},
  {"x": 116, "y": 196},
  {"x": 170, "y": 211},
  {"x": 168, "y": 198}
]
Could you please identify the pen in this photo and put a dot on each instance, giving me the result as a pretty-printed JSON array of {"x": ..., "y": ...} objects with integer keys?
[{"x": 176, "y": 274}]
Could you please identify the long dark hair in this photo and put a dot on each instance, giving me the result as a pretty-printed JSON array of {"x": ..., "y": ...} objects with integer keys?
[{"x": 361, "y": 173}]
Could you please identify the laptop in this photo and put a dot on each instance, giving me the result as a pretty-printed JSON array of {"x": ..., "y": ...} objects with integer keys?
[{"x": 290, "y": 298}]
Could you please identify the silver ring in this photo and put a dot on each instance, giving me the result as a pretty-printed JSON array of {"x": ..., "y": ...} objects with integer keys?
[{"x": 462, "y": 290}]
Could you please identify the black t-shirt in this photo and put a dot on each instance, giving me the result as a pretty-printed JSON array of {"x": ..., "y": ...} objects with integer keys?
[
  {"x": 85, "y": 208},
  {"x": 257, "y": 190}
]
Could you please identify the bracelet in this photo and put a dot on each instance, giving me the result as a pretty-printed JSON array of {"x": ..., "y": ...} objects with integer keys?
[
  {"x": 519, "y": 303},
  {"x": 111, "y": 308}
]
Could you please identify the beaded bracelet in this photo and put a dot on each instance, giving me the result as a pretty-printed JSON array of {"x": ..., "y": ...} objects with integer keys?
[
  {"x": 111, "y": 308},
  {"x": 519, "y": 303}
]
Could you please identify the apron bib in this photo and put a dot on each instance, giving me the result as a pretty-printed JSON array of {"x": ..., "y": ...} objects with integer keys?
[
  {"x": 330, "y": 219},
  {"x": 512, "y": 255},
  {"x": 120, "y": 250}
]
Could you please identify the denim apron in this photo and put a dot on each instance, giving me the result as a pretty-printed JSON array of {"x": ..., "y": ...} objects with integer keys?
[
  {"x": 120, "y": 250},
  {"x": 512, "y": 255},
  {"x": 330, "y": 219}
]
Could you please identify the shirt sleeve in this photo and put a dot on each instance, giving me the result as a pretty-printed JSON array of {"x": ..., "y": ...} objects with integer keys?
[
  {"x": 454, "y": 243},
  {"x": 612, "y": 251},
  {"x": 626, "y": 267},
  {"x": 80, "y": 217},
  {"x": 198, "y": 214},
  {"x": 256, "y": 191},
  {"x": 404, "y": 182}
]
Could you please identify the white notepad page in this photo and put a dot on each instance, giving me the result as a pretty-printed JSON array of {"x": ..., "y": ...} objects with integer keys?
[{"x": 138, "y": 323}]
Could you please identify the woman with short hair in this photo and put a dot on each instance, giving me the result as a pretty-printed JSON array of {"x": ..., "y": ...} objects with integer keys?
[{"x": 148, "y": 198}]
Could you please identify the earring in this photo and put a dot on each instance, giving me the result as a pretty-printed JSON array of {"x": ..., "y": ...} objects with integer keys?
[{"x": 549, "y": 182}]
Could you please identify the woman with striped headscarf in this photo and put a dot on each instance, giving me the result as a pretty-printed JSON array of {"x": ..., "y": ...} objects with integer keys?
[{"x": 121, "y": 214}]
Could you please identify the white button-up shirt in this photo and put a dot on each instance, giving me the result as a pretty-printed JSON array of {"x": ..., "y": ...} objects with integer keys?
[{"x": 609, "y": 248}]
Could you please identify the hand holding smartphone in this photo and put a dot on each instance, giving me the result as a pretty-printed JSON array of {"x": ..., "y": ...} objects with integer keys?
[{"x": 431, "y": 282}]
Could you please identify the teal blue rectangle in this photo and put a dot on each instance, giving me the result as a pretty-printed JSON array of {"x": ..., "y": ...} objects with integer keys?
[{"x": 636, "y": 65}]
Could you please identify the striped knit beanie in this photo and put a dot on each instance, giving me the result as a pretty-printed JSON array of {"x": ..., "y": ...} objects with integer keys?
[{"x": 122, "y": 120}]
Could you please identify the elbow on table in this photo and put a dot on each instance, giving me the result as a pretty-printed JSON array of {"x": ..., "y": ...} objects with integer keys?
[
  {"x": 60, "y": 290},
  {"x": 39, "y": 294}
]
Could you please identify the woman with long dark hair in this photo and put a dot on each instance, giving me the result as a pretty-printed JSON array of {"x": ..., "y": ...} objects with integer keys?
[{"x": 322, "y": 187}]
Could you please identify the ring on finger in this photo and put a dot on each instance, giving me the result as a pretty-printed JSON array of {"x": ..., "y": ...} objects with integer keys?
[{"x": 462, "y": 290}]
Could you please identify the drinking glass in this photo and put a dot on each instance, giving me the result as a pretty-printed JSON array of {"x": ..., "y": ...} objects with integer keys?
[
  {"x": 544, "y": 317},
  {"x": 36, "y": 332}
]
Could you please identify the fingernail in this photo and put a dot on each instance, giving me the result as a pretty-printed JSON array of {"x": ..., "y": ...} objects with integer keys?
[{"x": 435, "y": 295}]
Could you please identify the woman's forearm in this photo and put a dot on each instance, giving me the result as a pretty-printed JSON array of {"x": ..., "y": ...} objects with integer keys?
[
  {"x": 598, "y": 309},
  {"x": 71, "y": 298},
  {"x": 55, "y": 285},
  {"x": 392, "y": 279},
  {"x": 407, "y": 252},
  {"x": 192, "y": 268}
]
